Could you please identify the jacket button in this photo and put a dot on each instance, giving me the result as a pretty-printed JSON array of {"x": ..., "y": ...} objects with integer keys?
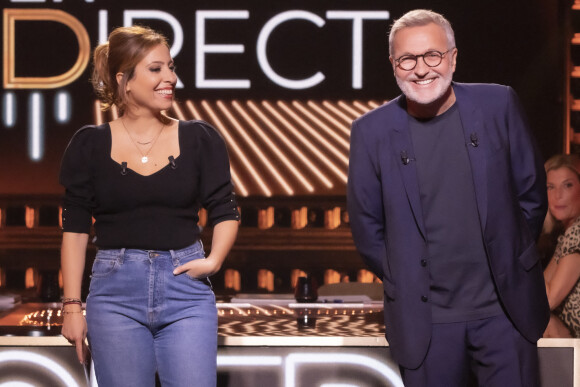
[
  {"x": 424, "y": 298},
  {"x": 423, "y": 262}
]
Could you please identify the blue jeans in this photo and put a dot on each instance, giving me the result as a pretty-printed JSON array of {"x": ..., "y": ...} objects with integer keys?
[{"x": 142, "y": 319}]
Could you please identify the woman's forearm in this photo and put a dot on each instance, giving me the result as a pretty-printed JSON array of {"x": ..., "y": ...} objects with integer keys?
[{"x": 72, "y": 260}]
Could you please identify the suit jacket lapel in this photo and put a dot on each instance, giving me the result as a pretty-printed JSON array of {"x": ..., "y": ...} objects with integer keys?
[
  {"x": 401, "y": 142},
  {"x": 473, "y": 129}
]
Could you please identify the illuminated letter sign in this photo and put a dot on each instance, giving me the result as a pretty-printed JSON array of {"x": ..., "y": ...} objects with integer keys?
[
  {"x": 201, "y": 48},
  {"x": 11, "y": 81},
  {"x": 357, "y": 37},
  {"x": 130, "y": 16},
  {"x": 263, "y": 42}
]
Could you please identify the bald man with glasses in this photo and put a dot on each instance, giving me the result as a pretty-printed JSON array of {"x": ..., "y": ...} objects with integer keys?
[{"x": 446, "y": 197}]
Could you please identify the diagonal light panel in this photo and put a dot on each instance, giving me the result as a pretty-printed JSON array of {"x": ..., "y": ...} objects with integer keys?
[{"x": 279, "y": 148}]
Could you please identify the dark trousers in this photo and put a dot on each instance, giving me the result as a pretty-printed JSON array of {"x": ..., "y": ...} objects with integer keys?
[{"x": 490, "y": 349}]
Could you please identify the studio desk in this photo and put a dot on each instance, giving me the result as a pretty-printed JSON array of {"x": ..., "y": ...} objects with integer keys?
[{"x": 263, "y": 342}]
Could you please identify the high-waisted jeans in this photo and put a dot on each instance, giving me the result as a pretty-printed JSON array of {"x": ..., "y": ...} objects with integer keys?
[{"x": 142, "y": 319}]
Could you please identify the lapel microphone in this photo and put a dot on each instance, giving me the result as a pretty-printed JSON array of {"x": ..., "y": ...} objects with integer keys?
[
  {"x": 474, "y": 140},
  {"x": 404, "y": 158},
  {"x": 124, "y": 168},
  {"x": 172, "y": 162}
]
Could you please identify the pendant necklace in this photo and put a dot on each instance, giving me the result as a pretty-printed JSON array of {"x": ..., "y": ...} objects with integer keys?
[{"x": 144, "y": 156}]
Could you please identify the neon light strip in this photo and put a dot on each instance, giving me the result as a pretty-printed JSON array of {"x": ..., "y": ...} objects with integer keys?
[
  {"x": 289, "y": 143},
  {"x": 283, "y": 309},
  {"x": 9, "y": 109},
  {"x": 178, "y": 111},
  {"x": 255, "y": 148},
  {"x": 36, "y": 126},
  {"x": 98, "y": 113},
  {"x": 338, "y": 385},
  {"x": 341, "y": 156},
  {"x": 114, "y": 112},
  {"x": 294, "y": 359},
  {"x": 374, "y": 104},
  {"x": 349, "y": 109},
  {"x": 321, "y": 124},
  {"x": 15, "y": 357},
  {"x": 236, "y": 148},
  {"x": 193, "y": 110},
  {"x": 337, "y": 111},
  {"x": 343, "y": 128},
  {"x": 62, "y": 107},
  {"x": 274, "y": 148},
  {"x": 254, "y": 361},
  {"x": 240, "y": 187},
  {"x": 309, "y": 145},
  {"x": 360, "y": 106}
]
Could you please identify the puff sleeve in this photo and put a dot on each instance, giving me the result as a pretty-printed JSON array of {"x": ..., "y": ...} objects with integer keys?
[
  {"x": 77, "y": 178},
  {"x": 216, "y": 188}
]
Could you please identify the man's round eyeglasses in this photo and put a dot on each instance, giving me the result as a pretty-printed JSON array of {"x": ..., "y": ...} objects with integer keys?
[{"x": 430, "y": 58}]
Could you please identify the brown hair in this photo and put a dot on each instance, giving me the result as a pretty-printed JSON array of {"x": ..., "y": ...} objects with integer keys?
[
  {"x": 126, "y": 47},
  {"x": 572, "y": 162}
]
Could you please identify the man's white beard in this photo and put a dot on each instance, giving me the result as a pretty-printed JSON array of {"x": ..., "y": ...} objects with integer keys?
[{"x": 422, "y": 98}]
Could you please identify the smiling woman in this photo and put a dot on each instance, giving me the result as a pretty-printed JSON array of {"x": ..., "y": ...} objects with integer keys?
[
  {"x": 562, "y": 275},
  {"x": 144, "y": 177}
]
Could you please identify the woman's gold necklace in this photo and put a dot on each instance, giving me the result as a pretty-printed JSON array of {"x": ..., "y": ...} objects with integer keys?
[{"x": 144, "y": 156}]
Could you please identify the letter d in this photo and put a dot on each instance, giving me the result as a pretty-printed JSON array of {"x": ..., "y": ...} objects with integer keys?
[{"x": 10, "y": 80}]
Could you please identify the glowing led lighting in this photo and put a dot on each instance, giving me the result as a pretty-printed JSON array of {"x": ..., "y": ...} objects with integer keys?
[
  {"x": 62, "y": 107},
  {"x": 310, "y": 146},
  {"x": 338, "y": 385},
  {"x": 321, "y": 124},
  {"x": 224, "y": 361},
  {"x": 9, "y": 109},
  {"x": 295, "y": 359},
  {"x": 16, "y": 384},
  {"x": 337, "y": 111},
  {"x": 50, "y": 365},
  {"x": 343, "y": 128},
  {"x": 349, "y": 109},
  {"x": 114, "y": 112},
  {"x": 273, "y": 146},
  {"x": 193, "y": 110},
  {"x": 361, "y": 107},
  {"x": 98, "y": 113},
  {"x": 374, "y": 104},
  {"x": 255, "y": 148},
  {"x": 240, "y": 187},
  {"x": 103, "y": 21},
  {"x": 236, "y": 148},
  {"x": 178, "y": 111},
  {"x": 289, "y": 143},
  {"x": 283, "y": 309},
  {"x": 341, "y": 156},
  {"x": 36, "y": 126}
]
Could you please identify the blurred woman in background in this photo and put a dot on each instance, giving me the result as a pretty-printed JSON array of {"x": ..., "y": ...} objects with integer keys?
[{"x": 562, "y": 275}]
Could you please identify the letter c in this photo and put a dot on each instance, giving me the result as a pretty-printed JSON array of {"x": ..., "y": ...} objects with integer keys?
[{"x": 263, "y": 58}]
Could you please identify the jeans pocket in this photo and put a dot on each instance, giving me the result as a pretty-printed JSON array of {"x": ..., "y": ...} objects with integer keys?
[{"x": 103, "y": 268}]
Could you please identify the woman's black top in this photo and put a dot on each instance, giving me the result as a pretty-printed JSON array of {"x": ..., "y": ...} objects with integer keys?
[{"x": 155, "y": 212}]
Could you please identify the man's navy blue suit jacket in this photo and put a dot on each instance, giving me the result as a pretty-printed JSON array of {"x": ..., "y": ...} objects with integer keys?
[{"x": 387, "y": 222}]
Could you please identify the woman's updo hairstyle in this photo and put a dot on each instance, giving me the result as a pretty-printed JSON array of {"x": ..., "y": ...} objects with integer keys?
[{"x": 126, "y": 47}]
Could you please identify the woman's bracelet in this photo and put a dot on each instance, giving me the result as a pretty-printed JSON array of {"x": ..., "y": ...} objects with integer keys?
[
  {"x": 68, "y": 299},
  {"x": 71, "y": 303}
]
